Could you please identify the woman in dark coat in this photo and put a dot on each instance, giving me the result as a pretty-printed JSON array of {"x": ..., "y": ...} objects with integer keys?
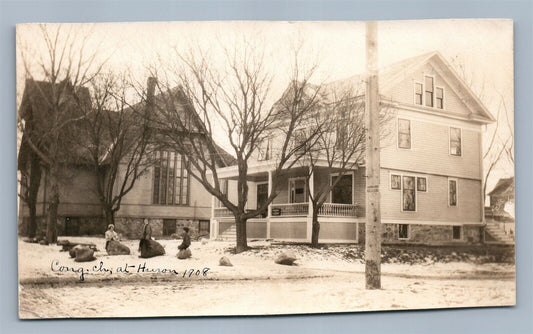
[
  {"x": 147, "y": 246},
  {"x": 184, "y": 251},
  {"x": 186, "y": 239}
]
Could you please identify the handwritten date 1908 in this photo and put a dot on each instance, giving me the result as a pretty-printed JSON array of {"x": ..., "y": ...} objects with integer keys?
[{"x": 55, "y": 266}]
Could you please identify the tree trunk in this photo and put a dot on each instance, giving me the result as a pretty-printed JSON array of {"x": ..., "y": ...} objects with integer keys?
[
  {"x": 34, "y": 183},
  {"x": 51, "y": 227},
  {"x": 242, "y": 243},
  {"x": 109, "y": 215},
  {"x": 316, "y": 229}
]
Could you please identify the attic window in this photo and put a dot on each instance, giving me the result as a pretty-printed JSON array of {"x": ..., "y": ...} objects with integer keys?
[
  {"x": 429, "y": 90},
  {"x": 439, "y": 98},
  {"x": 418, "y": 93}
]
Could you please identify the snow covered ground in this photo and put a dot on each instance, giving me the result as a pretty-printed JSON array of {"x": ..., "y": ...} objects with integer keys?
[{"x": 324, "y": 280}]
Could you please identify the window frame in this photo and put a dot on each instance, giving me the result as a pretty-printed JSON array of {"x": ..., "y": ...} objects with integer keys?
[
  {"x": 390, "y": 181},
  {"x": 398, "y": 134},
  {"x": 432, "y": 92},
  {"x": 415, "y": 194},
  {"x": 408, "y": 232},
  {"x": 456, "y": 192},
  {"x": 443, "y": 97},
  {"x": 186, "y": 178},
  {"x": 416, "y": 82},
  {"x": 450, "y": 141},
  {"x": 425, "y": 178},
  {"x": 331, "y": 175},
  {"x": 306, "y": 195},
  {"x": 461, "y": 230}
]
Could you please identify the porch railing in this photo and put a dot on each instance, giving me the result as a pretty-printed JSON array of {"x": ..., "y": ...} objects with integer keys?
[
  {"x": 302, "y": 209},
  {"x": 290, "y": 209},
  {"x": 338, "y": 210}
]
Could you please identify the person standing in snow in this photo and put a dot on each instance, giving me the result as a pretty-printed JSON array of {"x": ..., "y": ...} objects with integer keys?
[{"x": 146, "y": 234}]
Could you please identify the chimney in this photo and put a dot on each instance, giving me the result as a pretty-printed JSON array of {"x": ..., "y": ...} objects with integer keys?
[{"x": 150, "y": 89}]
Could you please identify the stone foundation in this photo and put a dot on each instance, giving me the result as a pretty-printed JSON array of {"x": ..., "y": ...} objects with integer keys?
[
  {"x": 427, "y": 234},
  {"x": 132, "y": 228}
]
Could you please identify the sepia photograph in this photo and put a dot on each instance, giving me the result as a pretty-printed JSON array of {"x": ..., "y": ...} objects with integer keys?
[{"x": 235, "y": 168}]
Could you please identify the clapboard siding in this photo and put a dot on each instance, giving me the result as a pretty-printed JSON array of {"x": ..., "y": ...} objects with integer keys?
[
  {"x": 430, "y": 147},
  {"x": 138, "y": 202},
  {"x": 433, "y": 204},
  {"x": 404, "y": 91}
]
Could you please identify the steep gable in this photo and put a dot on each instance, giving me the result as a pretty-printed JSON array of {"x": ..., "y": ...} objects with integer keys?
[{"x": 397, "y": 82}]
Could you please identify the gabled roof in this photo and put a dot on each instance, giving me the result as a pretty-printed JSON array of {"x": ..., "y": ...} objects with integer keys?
[
  {"x": 503, "y": 186},
  {"x": 37, "y": 112},
  {"x": 393, "y": 74}
]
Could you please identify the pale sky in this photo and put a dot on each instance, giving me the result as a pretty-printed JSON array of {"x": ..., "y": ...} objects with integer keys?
[{"x": 483, "y": 47}]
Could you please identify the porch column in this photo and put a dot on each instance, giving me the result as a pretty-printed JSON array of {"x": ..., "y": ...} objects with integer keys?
[
  {"x": 213, "y": 222},
  {"x": 269, "y": 212},
  {"x": 309, "y": 229},
  {"x": 311, "y": 190}
]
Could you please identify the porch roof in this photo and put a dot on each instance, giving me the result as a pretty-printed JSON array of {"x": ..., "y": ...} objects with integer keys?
[{"x": 258, "y": 170}]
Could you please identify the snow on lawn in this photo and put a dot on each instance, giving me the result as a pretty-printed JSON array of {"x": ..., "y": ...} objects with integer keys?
[
  {"x": 324, "y": 280},
  {"x": 37, "y": 261}
]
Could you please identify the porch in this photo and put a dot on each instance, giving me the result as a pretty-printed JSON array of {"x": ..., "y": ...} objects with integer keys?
[{"x": 289, "y": 216}]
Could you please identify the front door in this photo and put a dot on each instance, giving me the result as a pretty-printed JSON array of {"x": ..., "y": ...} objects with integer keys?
[{"x": 262, "y": 196}]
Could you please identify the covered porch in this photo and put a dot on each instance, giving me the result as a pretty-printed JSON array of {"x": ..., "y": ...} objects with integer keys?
[{"x": 289, "y": 216}]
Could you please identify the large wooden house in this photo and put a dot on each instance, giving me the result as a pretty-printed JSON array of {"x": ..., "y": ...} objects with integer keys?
[{"x": 431, "y": 169}]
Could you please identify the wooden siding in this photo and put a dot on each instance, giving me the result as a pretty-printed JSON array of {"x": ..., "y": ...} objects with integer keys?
[
  {"x": 138, "y": 202},
  {"x": 404, "y": 91},
  {"x": 430, "y": 149},
  {"x": 77, "y": 195},
  {"x": 433, "y": 204}
]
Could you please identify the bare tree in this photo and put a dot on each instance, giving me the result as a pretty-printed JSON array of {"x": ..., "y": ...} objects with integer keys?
[
  {"x": 57, "y": 65},
  {"x": 340, "y": 144},
  {"x": 498, "y": 147},
  {"x": 211, "y": 102},
  {"x": 115, "y": 135},
  {"x": 500, "y": 140}
]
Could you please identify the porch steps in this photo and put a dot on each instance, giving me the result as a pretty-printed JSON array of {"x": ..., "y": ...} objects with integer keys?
[
  {"x": 499, "y": 234},
  {"x": 228, "y": 235}
]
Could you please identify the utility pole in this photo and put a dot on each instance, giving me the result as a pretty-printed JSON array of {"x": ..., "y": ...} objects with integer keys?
[{"x": 373, "y": 210}]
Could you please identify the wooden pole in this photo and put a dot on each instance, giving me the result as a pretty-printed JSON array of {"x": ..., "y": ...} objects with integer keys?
[{"x": 373, "y": 210}]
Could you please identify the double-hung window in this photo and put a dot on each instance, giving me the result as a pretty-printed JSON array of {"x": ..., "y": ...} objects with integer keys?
[
  {"x": 455, "y": 141},
  {"x": 452, "y": 192},
  {"x": 429, "y": 91},
  {"x": 404, "y": 133}
]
